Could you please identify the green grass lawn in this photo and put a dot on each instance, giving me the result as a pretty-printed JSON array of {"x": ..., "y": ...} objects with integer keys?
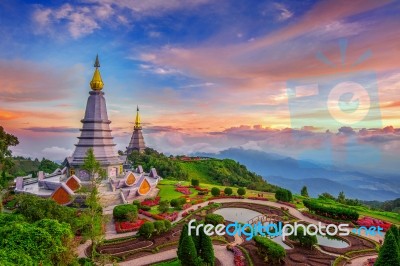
[{"x": 197, "y": 170}]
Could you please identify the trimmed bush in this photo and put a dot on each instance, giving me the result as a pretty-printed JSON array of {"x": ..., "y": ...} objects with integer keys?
[
  {"x": 214, "y": 219},
  {"x": 330, "y": 211},
  {"x": 272, "y": 252},
  {"x": 215, "y": 191},
  {"x": 305, "y": 240},
  {"x": 241, "y": 191},
  {"x": 145, "y": 208},
  {"x": 195, "y": 182},
  {"x": 228, "y": 191},
  {"x": 167, "y": 225},
  {"x": 125, "y": 212},
  {"x": 163, "y": 206},
  {"x": 147, "y": 229},
  {"x": 284, "y": 195},
  {"x": 159, "y": 226}
]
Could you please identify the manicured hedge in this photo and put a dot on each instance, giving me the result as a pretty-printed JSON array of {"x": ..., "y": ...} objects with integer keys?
[
  {"x": 214, "y": 219},
  {"x": 330, "y": 211},
  {"x": 272, "y": 251},
  {"x": 283, "y": 195},
  {"x": 125, "y": 212}
]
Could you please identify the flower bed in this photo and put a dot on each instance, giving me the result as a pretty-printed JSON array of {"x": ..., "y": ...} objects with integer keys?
[
  {"x": 123, "y": 227},
  {"x": 369, "y": 222},
  {"x": 151, "y": 215},
  {"x": 151, "y": 202},
  {"x": 238, "y": 257},
  {"x": 186, "y": 206},
  {"x": 258, "y": 198},
  {"x": 170, "y": 216},
  {"x": 183, "y": 190},
  {"x": 201, "y": 189}
]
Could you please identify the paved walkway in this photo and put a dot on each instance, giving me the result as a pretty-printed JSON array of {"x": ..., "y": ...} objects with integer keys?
[
  {"x": 223, "y": 255},
  {"x": 81, "y": 249},
  {"x": 360, "y": 260}
]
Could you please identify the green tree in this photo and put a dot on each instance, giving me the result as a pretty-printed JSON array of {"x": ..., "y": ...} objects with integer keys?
[
  {"x": 159, "y": 226},
  {"x": 341, "y": 198},
  {"x": 167, "y": 225},
  {"x": 6, "y": 163},
  {"x": 228, "y": 191},
  {"x": 215, "y": 191},
  {"x": 93, "y": 216},
  {"x": 188, "y": 254},
  {"x": 304, "y": 192},
  {"x": 147, "y": 229},
  {"x": 241, "y": 191},
  {"x": 207, "y": 250},
  {"x": 184, "y": 232},
  {"x": 389, "y": 252},
  {"x": 163, "y": 206},
  {"x": 48, "y": 166}
]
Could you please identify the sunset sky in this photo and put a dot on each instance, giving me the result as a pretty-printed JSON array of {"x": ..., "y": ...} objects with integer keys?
[{"x": 207, "y": 75}]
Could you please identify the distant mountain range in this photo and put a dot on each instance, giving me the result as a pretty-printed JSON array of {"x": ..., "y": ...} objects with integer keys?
[{"x": 293, "y": 174}]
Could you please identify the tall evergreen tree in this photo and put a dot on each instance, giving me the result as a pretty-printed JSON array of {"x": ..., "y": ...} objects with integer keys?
[
  {"x": 188, "y": 253},
  {"x": 304, "y": 192},
  {"x": 389, "y": 252},
  {"x": 341, "y": 197},
  {"x": 184, "y": 233},
  {"x": 207, "y": 249}
]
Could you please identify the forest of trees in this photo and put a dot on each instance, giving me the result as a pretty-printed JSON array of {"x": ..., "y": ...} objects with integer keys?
[{"x": 226, "y": 172}]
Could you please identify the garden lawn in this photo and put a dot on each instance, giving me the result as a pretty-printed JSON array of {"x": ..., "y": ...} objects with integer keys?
[
  {"x": 167, "y": 190},
  {"x": 170, "y": 193}
]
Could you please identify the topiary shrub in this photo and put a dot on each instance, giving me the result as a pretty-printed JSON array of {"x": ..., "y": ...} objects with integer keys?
[
  {"x": 147, "y": 229},
  {"x": 145, "y": 208},
  {"x": 305, "y": 240},
  {"x": 228, "y": 191},
  {"x": 283, "y": 195},
  {"x": 167, "y": 225},
  {"x": 215, "y": 191},
  {"x": 195, "y": 182},
  {"x": 214, "y": 219},
  {"x": 241, "y": 191},
  {"x": 272, "y": 252},
  {"x": 125, "y": 212},
  {"x": 159, "y": 226}
]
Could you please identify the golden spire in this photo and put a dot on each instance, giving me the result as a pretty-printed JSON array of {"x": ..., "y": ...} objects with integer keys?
[
  {"x": 97, "y": 83},
  {"x": 137, "y": 120}
]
